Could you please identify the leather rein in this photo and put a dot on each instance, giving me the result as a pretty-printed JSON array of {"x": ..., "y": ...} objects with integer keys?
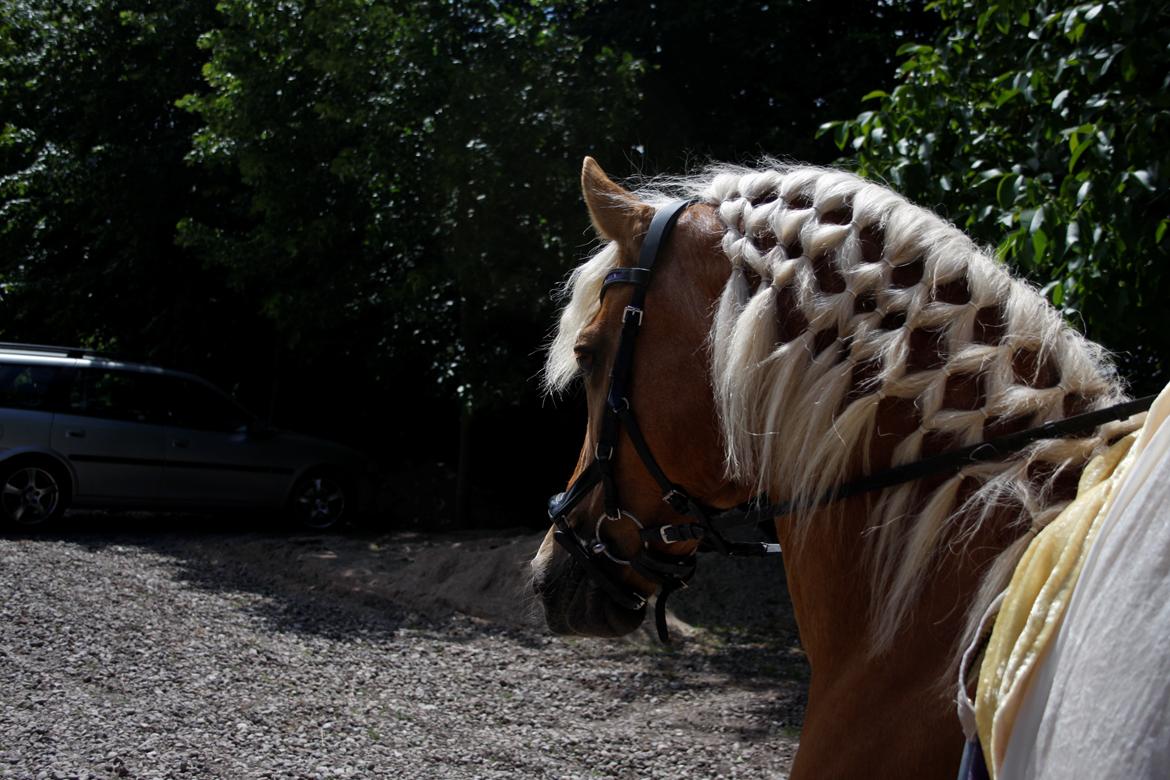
[{"x": 671, "y": 572}]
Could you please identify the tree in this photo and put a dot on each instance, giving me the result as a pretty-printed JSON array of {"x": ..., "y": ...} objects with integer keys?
[
  {"x": 93, "y": 179},
  {"x": 1044, "y": 128},
  {"x": 406, "y": 177},
  {"x": 735, "y": 80},
  {"x": 404, "y": 163}
]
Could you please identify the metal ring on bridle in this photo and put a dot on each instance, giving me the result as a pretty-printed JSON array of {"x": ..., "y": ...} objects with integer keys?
[{"x": 601, "y": 546}]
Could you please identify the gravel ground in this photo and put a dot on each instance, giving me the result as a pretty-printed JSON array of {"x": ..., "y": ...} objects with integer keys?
[{"x": 194, "y": 653}]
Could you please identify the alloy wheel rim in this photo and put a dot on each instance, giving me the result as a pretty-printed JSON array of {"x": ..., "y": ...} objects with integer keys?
[
  {"x": 30, "y": 495},
  {"x": 321, "y": 503}
]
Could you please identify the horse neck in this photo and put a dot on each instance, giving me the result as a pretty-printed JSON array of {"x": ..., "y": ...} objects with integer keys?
[
  {"x": 829, "y": 569},
  {"x": 899, "y": 698}
]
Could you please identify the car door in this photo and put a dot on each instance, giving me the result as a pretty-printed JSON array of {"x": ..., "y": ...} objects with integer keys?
[
  {"x": 29, "y": 393},
  {"x": 213, "y": 456},
  {"x": 113, "y": 432}
]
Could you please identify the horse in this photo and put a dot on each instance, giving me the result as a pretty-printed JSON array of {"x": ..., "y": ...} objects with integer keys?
[{"x": 805, "y": 328}]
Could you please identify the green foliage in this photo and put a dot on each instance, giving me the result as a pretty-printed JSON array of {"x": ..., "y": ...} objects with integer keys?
[
  {"x": 92, "y": 176},
  {"x": 405, "y": 168},
  {"x": 1044, "y": 128},
  {"x": 734, "y": 80}
]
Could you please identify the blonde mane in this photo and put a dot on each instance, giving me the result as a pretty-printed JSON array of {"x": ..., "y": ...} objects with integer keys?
[{"x": 845, "y": 298}]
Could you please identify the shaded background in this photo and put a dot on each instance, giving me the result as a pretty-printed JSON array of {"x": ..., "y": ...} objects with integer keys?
[{"x": 352, "y": 213}]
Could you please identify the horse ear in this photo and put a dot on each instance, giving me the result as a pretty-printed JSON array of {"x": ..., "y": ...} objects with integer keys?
[{"x": 617, "y": 214}]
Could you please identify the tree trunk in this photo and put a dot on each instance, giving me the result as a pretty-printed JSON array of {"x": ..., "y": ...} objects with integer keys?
[
  {"x": 463, "y": 509},
  {"x": 274, "y": 389}
]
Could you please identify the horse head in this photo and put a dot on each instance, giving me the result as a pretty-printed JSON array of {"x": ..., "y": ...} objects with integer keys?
[{"x": 670, "y": 393}]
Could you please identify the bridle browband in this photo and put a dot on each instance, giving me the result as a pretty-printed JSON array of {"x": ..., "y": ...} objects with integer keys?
[{"x": 669, "y": 571}]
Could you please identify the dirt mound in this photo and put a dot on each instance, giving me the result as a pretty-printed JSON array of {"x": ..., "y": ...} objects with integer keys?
[{"x": 486, "y": 575}]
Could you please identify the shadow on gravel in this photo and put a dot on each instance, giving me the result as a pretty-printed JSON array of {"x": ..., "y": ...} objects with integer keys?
[
  {"x": 367, "y": 585},
  {"x": 317, "y": 584},
  {"x": 352, "y": 583}
]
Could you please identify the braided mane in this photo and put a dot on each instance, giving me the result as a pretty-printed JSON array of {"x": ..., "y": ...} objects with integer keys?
[{"x": 845, "y": 304}]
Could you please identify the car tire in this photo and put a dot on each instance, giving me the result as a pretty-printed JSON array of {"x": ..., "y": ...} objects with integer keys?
[
  {"x": 320, "y": 501},
  {"x": 32, "y": 494}
]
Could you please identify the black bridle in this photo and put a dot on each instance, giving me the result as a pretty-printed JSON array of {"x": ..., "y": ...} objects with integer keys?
[{"x": 670, "y": 571}]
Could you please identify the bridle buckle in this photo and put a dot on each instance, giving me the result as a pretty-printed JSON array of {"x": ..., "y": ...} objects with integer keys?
[
  {"x": 630, "y": 312},
  {"x": 672, "y": 533}
]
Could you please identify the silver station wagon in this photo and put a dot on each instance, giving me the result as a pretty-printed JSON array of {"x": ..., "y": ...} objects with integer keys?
[{"x": 81, "y": 429}]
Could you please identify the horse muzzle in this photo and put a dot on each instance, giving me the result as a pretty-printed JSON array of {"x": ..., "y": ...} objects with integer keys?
[{"x": 574, "y": 602}]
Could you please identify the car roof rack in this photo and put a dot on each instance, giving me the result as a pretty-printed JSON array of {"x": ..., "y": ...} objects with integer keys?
[{"x": 70, "y": 352}]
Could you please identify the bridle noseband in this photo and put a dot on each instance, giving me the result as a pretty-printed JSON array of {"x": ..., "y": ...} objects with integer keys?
[{"x": 671, "y": 572}]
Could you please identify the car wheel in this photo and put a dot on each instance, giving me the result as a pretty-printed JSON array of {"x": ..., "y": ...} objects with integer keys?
[
  {"x": 31, "y": 495},
  {"x": 319, "y": 501}
]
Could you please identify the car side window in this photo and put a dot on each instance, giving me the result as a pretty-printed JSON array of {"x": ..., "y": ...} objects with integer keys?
[
  {"x": 116, "y": 395},
  {"x": 193, "y": 405},
  {"x": 27, "y": 386}
]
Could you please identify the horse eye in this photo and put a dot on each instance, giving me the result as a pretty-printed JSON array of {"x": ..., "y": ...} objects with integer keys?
[{"x": 584, "y": 357}]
